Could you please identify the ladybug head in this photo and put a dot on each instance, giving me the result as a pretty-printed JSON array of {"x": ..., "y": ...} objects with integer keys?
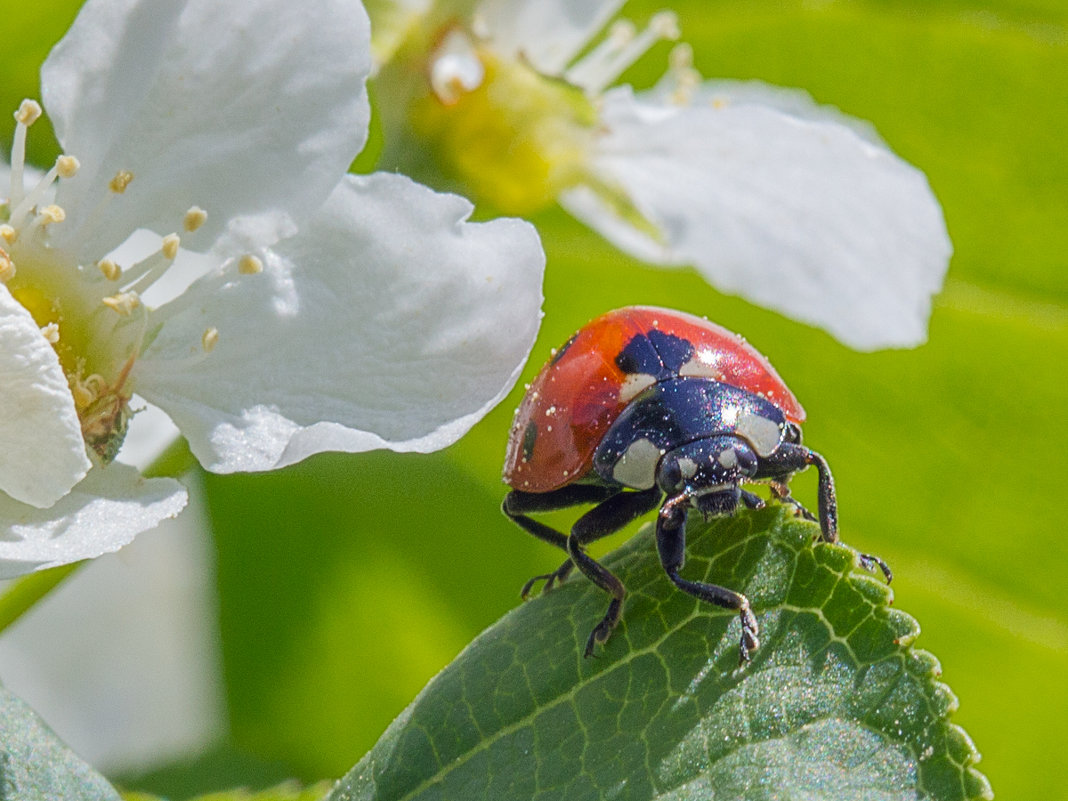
[{"x": 707, "y": 473}]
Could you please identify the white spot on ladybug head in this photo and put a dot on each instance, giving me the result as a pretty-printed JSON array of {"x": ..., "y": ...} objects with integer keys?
[
  {"x": 688, "y": 467},
  {"x": 636, "y": 468},
  {"x": 728, "y": 459},
  {"x": 763, "y": 434}
]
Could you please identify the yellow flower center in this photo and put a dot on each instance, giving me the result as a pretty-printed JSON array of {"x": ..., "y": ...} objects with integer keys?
[{"x": 514, "y": 137}]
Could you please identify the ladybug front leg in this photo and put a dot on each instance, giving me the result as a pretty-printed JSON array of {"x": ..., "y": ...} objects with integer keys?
[
  {"x": 671, "y": 544},
  {"x": 791, "y": 458}
]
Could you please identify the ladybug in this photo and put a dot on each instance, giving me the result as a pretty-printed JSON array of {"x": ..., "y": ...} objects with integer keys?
[{"x": 646, "y": 407}]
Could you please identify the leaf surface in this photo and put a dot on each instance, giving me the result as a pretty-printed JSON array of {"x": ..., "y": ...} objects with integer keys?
[
  {"x": 36, "y": 765},
  {"x": 835, "y": 704}
]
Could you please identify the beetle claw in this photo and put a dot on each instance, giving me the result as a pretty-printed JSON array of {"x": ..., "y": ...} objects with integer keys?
[{"x": 869, "y": 563}]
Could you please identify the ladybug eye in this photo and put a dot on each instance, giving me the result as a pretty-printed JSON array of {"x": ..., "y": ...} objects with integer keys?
[{"x": 669, "y": 476}]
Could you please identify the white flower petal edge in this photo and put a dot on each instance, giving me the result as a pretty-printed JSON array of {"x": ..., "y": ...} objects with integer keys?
[
  {"x": 207, "y": 103},
  {"x": 362, "y": 366},
  {"x": 106, "y": 510},
  {"x": 547, "y": 33},
  {"x": 43, "y": 454},
  {"x": 799, "y": 215},
  {"x": 787, "y": 99}
]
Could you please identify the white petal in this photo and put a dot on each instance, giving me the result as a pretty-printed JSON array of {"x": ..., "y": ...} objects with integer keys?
[
  {"x": 548, "y": 33},
  {"x": 101, "y": 514},
  {"x": 42, "y": 453},
  {"x": 790, "y": 100},
  {"x": 249, "y": 110},
  {"x": 802, "y": 216},
  {"x": 389, "y": 322},
  {"x": 123, "y": 657}
]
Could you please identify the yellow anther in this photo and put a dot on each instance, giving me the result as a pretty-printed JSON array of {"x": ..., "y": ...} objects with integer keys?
[
  {"x": 51, "y": 333},
  {"x": 170, "y": 246},
  {"x": 52, "y": 214},
  {"x": 194, "y": 218},
  {"x": 8, "y": 233},
  {"x": 123, "y": 303},
  {"x": 681, "y": 57},
  {"x": 110, "y": 269},
  {"x": 67, "y": 166},
  {"x": 29, "y": 112},
  {"x": 210, "y": 339},
  {"x": 121, "y": 180},
  {"x": 249, "y": 265},
  {"x": 83, "y": 395},
  {"x": 7, "y": 267}
]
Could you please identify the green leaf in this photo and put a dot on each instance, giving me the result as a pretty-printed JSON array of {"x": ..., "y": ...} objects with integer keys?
[
  {"x": 35, "y": 765},
  {"x": 835, "y": 704},
  {"x": 287, "y": 791}
]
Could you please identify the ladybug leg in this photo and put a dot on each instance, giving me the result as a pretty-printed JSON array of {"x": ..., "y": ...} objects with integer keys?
[
  {"x": 797, "y": 457},
  {"x": 671, "y": 543},
  {"x": 781, "y": 491},
  {"x": 607, "y": 518},
  {"x": 752, "y": 500},
  {"x": 870, "y": 562},
  {"x": 788, "y": 459},
  {"x": 601, "y": 521},
  {"x": 517, "y": 503}
]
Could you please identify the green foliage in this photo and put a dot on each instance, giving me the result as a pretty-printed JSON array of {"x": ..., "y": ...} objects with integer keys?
[
  {"x": 288, "y": 791},
  {"x": 35, "y": 765},
  {"x": 347, "y": 583},
  {"x": 943, "y": 455},
  {"x": 835, "y": 704}
]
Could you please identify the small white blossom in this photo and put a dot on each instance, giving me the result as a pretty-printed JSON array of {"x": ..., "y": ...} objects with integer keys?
[
  {"x": 200, "y": 244},
  {"x": 791, "y": 205}
]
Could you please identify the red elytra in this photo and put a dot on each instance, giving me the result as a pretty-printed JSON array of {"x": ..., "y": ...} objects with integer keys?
[{"x": 577, "y": 395}]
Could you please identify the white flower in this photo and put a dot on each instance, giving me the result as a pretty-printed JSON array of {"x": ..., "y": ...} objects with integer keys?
[
  {"x": 788, "y": 204},
  {"x": 287, "y": 308}
]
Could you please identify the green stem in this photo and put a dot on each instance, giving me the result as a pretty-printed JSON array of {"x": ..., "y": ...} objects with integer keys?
[{"x": 24, "y": 592}]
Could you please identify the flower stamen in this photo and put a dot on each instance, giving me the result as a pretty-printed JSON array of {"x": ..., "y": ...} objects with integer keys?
[
  {"x": 608, "y": 61},
  {"x": 620, "y": 34},
  {"x": 116, "y": 186},
  {"x": 456, "y": 69},
  {"x": 249, "y": 265},
  {"x": 146, "y": 272},
  {"x": 65, "y": 167},
  {"x": 122, "y": 303},
  {"x": 7, "y": 267},
  {"x": 109, "y": 269},
  {"x": 685, "y": 79},
  {"x": 194, "y": 218},
  {"x": 122, "y": 179},
  {"x": 28, "y": 113}
]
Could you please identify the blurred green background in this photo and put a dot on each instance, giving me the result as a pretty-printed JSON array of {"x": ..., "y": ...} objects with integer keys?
[{"x": 346, "y": 582}]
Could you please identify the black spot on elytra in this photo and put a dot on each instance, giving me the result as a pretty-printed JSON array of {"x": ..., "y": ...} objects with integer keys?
[
  {"x": 655, "y": 353},
  {"x": 529, "y": 437},
  {"x": 563, "y": 349}
]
